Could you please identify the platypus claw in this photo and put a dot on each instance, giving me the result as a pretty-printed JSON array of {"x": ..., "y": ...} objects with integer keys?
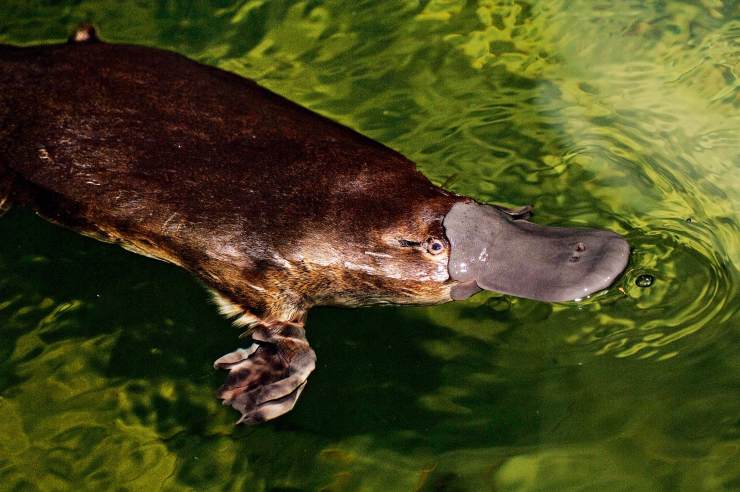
[{"x": 266, "y": 379}]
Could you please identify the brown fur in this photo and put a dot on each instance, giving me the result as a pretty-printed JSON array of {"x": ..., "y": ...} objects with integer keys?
[{"x": 275, "y": 208}]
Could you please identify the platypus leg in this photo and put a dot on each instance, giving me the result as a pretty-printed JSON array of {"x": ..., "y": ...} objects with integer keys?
[{"x": 266, "y": 379}]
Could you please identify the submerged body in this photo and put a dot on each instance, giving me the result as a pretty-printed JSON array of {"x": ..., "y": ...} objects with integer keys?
[{"x": 275, "y": 208}]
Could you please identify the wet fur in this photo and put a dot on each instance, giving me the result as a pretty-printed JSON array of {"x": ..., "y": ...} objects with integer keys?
[
  {"x": 211, "y": 172},
  {"x": 275, "y": 208}
]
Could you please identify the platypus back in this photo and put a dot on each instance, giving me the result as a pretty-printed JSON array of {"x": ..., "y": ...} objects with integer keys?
[{"x": 143, "y": 145}]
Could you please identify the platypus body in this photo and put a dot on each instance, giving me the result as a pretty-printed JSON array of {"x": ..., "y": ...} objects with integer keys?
[{"x": 275, "y": 208}]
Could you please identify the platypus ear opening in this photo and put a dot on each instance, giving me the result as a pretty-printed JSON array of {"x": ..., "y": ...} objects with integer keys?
[{"x": 405, "y": 243}]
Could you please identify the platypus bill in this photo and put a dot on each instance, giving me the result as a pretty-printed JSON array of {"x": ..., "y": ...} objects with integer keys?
[{"x": 275, "y": 208}]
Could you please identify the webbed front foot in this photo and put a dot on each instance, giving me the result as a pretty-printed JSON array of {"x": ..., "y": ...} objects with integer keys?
[{"x": 265, "y": 380}]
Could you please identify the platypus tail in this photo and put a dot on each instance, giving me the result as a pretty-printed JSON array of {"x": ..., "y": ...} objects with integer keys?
[{"x": 84, "y": 34}]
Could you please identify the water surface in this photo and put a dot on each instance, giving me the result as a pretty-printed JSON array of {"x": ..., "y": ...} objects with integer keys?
[{"x": 621, "y": 115}]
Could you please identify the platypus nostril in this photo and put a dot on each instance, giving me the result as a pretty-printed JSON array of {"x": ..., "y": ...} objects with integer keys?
[
  {"x": 574, "y": 259},
  {"x": 580, "y": 247}
]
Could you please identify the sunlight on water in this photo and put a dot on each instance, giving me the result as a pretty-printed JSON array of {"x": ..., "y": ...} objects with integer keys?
[{"x": 623, "y": 115}]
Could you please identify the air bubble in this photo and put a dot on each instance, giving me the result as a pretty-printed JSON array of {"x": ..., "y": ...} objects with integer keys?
[{"x": 644, "y": 280}]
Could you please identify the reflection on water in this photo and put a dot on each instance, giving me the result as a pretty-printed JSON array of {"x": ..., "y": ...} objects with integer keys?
[{"x": 620, "y": 115}]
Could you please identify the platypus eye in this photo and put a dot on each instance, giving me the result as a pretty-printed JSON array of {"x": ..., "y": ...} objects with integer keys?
[{"x": 435, "y": 246}]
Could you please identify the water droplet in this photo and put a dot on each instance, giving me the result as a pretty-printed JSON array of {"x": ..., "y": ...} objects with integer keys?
[{"x": 644, "y": 280}]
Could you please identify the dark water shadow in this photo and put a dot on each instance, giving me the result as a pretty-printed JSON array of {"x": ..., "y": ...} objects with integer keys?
[
  {"x": 164, "y": 325},
  {"x": 372, "y": 369}
]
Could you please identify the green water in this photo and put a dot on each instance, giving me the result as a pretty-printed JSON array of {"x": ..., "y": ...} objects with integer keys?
[{"x": 624, "y": 115}]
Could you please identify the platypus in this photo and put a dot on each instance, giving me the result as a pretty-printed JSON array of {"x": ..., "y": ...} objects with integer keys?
[{"x": 275, "y": 208}]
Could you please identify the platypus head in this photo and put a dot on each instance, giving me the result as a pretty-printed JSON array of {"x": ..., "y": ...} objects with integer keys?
[{"x": 473, "y": 247}]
